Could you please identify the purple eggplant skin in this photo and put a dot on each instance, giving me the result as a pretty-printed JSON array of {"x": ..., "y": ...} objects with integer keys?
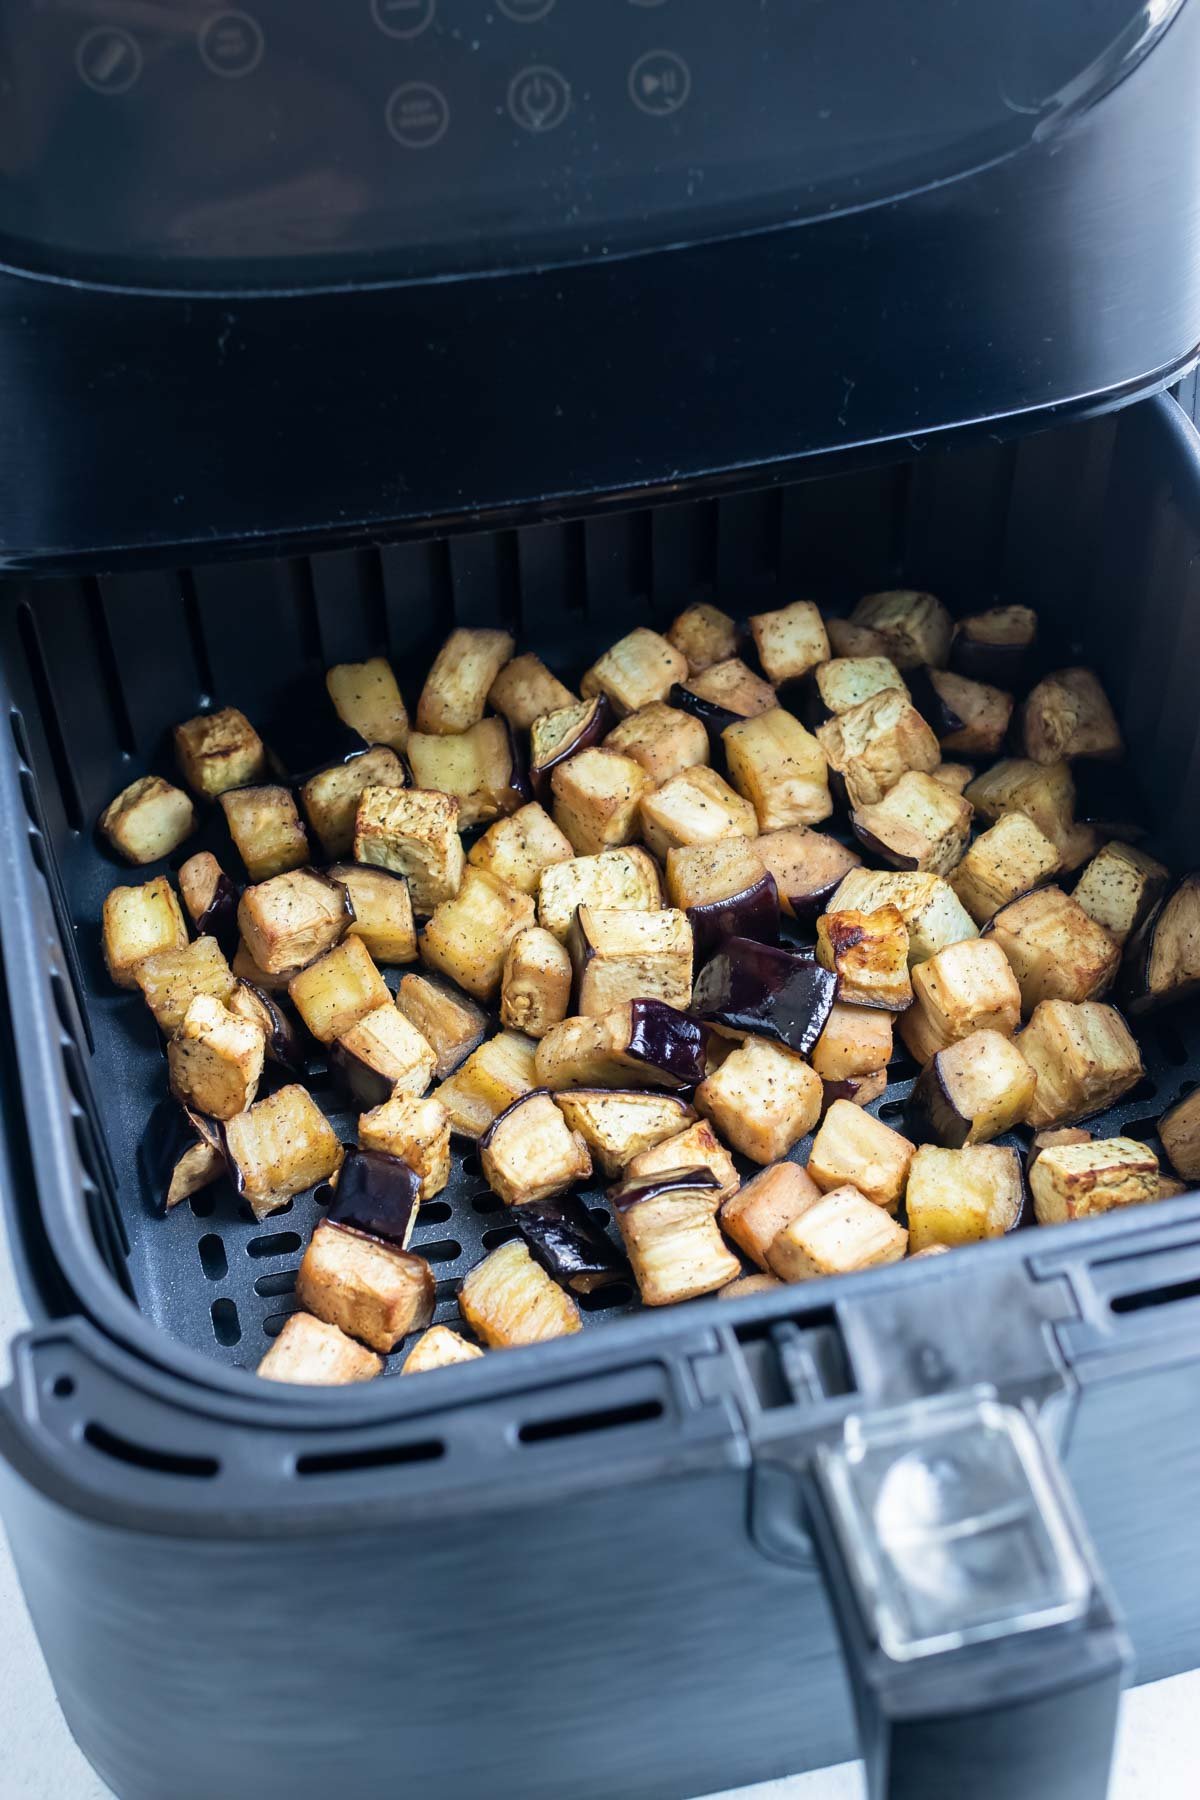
[
  {"x": 807, "y": 908},
  {"x": 931, "y": 1115},
  {"x": 285, "y": 1045},
  {"x": 754, "y": 913},
  {"x": 347, "y": 750},
  {"x": 756, "y": 988},
  {"x": 628, "y": 1194},
  {"x": 941, "y": 718},
  {"x": 1110, "y": 797},
  {"x": 520, "y": 788},
  {"x": 668, "y": 1040},
  {"x": 365, "y": 1086},
  {"x": 876, "y": 847},
  {"x": 596, "y": 726},
  {"x": 219, "y": 918},
  {"x": 563, "y": 1237},
  {"x": 1134, "y": 987},
  {"x": 377, "y": 1195},
  {"x": 1007, "y": 666},
  {"x": 714, "y": 718},
  {"x": 176, "y": 1133}
]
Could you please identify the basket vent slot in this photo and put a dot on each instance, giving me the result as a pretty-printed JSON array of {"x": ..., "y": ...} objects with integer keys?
[
  {"x": 144, "y": 1456},
  {"x": 569, "y": 1425},
  {"x": 386, "y": 1456}
]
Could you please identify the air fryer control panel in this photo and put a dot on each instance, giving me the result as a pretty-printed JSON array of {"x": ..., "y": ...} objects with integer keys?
[{"x": 455, "y": 134}]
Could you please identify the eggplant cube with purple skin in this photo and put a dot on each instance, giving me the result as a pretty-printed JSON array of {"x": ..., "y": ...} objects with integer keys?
[
  {"x": 1068, "y": 714},
  {"x": 508, "y": 1300},
  {"x": 310, "y": 1353},
  {"x": 839, "y": 1234},
  {"x": 555, "y": 737},
  {"x": 438, "y": 1348},
  {"x": 148, "y": 819},
  {"x": 1164, "y": 957},
  {"x": 697, "y": 1147},
  {"x": 919, "y": 824},
  {"x": 757, "y": 1213},
  {"x": 1179, "y": 1132},
  {"x": 1118, "y": 889},
  {"x": 525, "y": 689},
  {"x": 535, "y": 989},
  {"x": 413, "y": 834},
  {"x": 807, "y": 866},
  {"x": 646, "y": 1041},
  {"x": 762, "y": 1099},
  {"x": 451, "y": 1024},
  {"x": 661, "y": 739},
  {"x": 972, "y": 1091},
  {"x": 562, "y": 1235},
  {"x": 383, "y": 914},
  {"x": 467, "y": 938},
  {"x": 266, "y": 830},
  {"x": 855, "y": 1147},
  {"x": 671, "y": 1237},
  {"x": 626, "y": 877},
  {"x": 215, "y": 1060},
  {"x": 171, "y": 980},
  {"x": 995, "y": 645},
  {"x": 182, "y": 1152},
  {"x": 1056, "y": 951},
  {"x": 1010, "y": 858},
  {"x": 790, "y": 641},
  {"x": 767, "y": 991},
  {"x": 366, "y": 697},
  {"x": 336, "y": 990},
  {"x": 490, "y": 1079},
  {"x": 292, "y": 919},
  {"x": 915, "y": 627},
  {"x": 531, "y": 1153},
  {"x": 139, "y": 922},
  {"x": 968, "y": 716},
  {"x": 868, "y": 952},
  {"x": 932, "y": 912},
  {"x": 967, "y": 987},
  {"x": 1080, "y": 1181},
  {"x": 618, "y": 1125},
  {"x": 380, "y": 1055},
  {"x": 963, "y": 1196},
  {"x": 370, "y": 1289},
  {"x": 727, "y": 687},
  {"x": 417, "y": 1131},
  {"x": 278, "y": 1147},
  {"x": 596, "y": 798},
  {"x": 725, "y": 891},
  {"x": 873, "y": 744},
  {"x": 210, "y": 898},
  {"x": 476, "y": 767},
  {"x": 780, "y": 768},
  {"x": 331, "y": 796},
  {"x": 1084, "y": 1058},
  {"x": 641, "y": 668},
  {"x": 281, "y": 1035},
  {"x": 621, "y": 955},
  {"x": 696, "y": 806},
  {"x": 1045, "y": 793},
  {"x": 220, "y": 750},
  {"x": 457, "y": 686},
  {"x": 517, "y": 849},
  {"x": 705, "y": 635}
]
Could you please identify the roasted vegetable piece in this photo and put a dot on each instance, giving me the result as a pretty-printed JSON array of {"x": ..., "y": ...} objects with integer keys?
[
  {"x": 995, "y": 645},
  {"x": 695, "y": 807},
  {"x": 148, "y": 819},
  {"x": 181, "y": 1153},
  {"x": 413, "y": 834},
  {"x": 310, "y": 1353},
  {"x": 1163, "y": 963},
  {"x": 1083, "y": 1057},
  {"x": 219, "y": 750},
  {"x": 467, "y": 937},
  {"x": 508, "y": 1300},
  {"x": 725, "y": 891},
  {"x": 381, "y": 1054},
  {"x": 367, "y": 699},
  {"x": 756, "y": 1215},
  {"x": 517, "y": 849},
  {"x": 1045, "y": 793},
  {"x": 1119, "y": 887},
  {"x": 535, "y": 988},
  {"x": 330, "y": 797},
  {"x": 293, "y": 918},
  {"x": 383, "y": 914},
  {"x": 479, "y": 768},
  {"x": 529, "y": 1152},
  {"x": 858, "y": 1090},
  {"x": 790, "y": 641},
  {"x": 437, "y": 1348},
  {"x": 334, "y": 992},
  {"x": 780, "y": 768},
  {"x": 726, "y": 687},
  {"x": 1179, "y": 1129},
  {"x": 215, "y": 1059},
  {"x": 617, "y": 1126},
  {"x": 928, "y": 905},
  {"x": 278, "y": 1147},
  {"x": 747, "y": 1286},
  {"x": 759, "y": 988},
  {"x": 456, "y": 687},
  {"x": 451, "y": 1024},
  {"x": 962, "y": 1196},
  {"x": 705, "y": 635},
  {"x": 1009, "y": 859},
  {"x": 972, "y": 1092},
  {"x": 915, "y": 627},
  {"x": 211, "y": 899},
  {"x": 808, "y": 868},
  {"x": 377, "y": 1194},
  {"x": 621, "y": 955},
  {"x": 854, "y": 1146},
  {"x": 968, "y": 716},
  {"x": 1043, "y": 1140},
  {"x": 661, "y": 739},
  {"x": 1077, "y": 1181},
  {"x": 646, "y": 1040},
  {"x": 368, "y": 1288},
  {"x": 415, "y": 1130},
  {"x": 1068, "y": 714},
  {"x": 1056, "y": 951},
  {"x": 140, "y": 922},
  {"x": 266, "y": 830},
  {"x": 698, "y": 1147},
  {"x": 596, "y": 798},
  {"x": 563, "y": 1237},
  {"x": 490, "y": 1079},
  {"x": 919, "y": 824},
  {"x": 847, "y": 681},
  {"x": 671, "y": 1236},
  {"x": 838, "y": 1235},
  {"x": 868, "y": 952},
  {"x": 246, "y": 969},
  {"x": 626, "y": 877},
  {"x": 555, "y": 737},
  {"x": 856, "y": 1040},
  {"x": 762, "y": 1099},
  {"x": 525, "y": 689},
  {"x": 847, "y": 639},
  {"x": 873, "y": 744},
  {"x": 638, "y": 669},
  {"x": 967, "y": 987},
  {"x": 955, "y": 776},
  {"x": 171, "y": 980}
]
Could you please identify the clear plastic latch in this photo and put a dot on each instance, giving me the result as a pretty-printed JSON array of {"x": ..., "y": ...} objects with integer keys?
[{"x": 952, "y": 1525}]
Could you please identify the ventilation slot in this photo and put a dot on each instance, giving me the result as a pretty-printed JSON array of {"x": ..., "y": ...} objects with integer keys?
[
  {"x": 547, "y": 1431},
  {"x": 142, "y": 1456},
  {"x": 227, "y": 1327},
  {"x": 213, "y": 1259},
  {"x": 445, "y": 1250},
  {"x": 279, "y": 1243},
  {"x": 389, "y": 1456},
  {"x": 284, "y": 1282},
  {"x": 1159, "y": 1296}
]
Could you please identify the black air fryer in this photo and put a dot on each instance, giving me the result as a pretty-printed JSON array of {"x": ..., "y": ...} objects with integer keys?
[{"x": 321, "y": 329}]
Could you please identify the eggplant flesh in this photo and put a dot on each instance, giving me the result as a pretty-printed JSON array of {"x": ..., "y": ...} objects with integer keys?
[
  {"x": 285, "y": 1044},
  {"x": 590, "y": 722},
  {"x": 756, "y": 988},
  {"x": 713, "y": 717},
  {"x": 753, "y": 913},
  {"x": 377, "y": 1196},
  {"x": 668, "y": 1040},
  {"x": 936, "y": 712},
  {"x": 1163, "y": 962},
  {"x": 628, "y": 1194},
  {"x": 562, "y": 1236},
  {"x": 181, "y": 1153}
]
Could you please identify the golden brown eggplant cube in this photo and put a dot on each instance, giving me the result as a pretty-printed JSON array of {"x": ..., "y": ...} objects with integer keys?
[
  {"x": 266, "y": 830},
  {"x": 1068, "y": 714},
  {"x": 596, "y": 796},
  {"x": 838, "y": 1235},
  {"x": 671, "y": 1237},
  {"x": 967, "y": 987},
  {"x": 915, "y": 627},
  {"x": 1179, "y": 1131},
  {"x": 334, "y": 992},
  {"x": 366, "y": 698},
  {"x": 625, "y": 877},
  {"x": 492, "y": 1077},
  {"x": 468, "y": 937},
  {"x": 762, "y": 1099},
  {"x": 705, "y": 635},
  {"x": 695, "y": 807},
  {"x": 974, "y": 1090},
  {"x": 437, "y": 1348},
  {"x": 927, "y": 903},
  {"x": 246, "y": 969},
  {"x": 171, "y": 980},
  {"x": 383, "y": 1048},
  {"x": 149, "y": 819},
  {"x": 869, "y": 954},
  {"x": 383, "y": 914},
  {"x": 617, "y": 1125},
  {"x": 847, "y": 681},
  {"x": 1008, "y": 859},
  {"x": 733, "y": 686},
  {"x": 696, "y": 1147},
  {"x": 535, "y": 988},
  {"x": 701, "y": 874},
  {"x": 640, "y": 668},
  {"x": 963, "y": 1196},
  {"x": 451, "y": 1024},
  {"x": 220, "y": 750},
  {"x": 331, "y": 796},
  {"x": 919, "y": 824},
  {"x": 790, "y": 641},
  {"x": 756, "y": 1215},
  {"x": 1119, "y": 888},
  {"x": 854, "y": 1147},
  {"x": 519, "y": 848},
  {"x": 621, "y": 955},
  {"x": 310, "y": 1353},
  {"x": 525, "y": 689},
  {"x": 1079, "y": 1181},
  {"x": 415, "y": 1130},
  {"x": 456, "y": 687},
  {"x": 371, "y": 1290},
  {"x": 662, "y": 740},
  {"x": 856, "y": 1041},
  {"x": 873, "y": 744},
  {"x": 215, "y": 1060},
  {"x": 507, "y": 1300},
  {"x": 278, "y": 1147},
  {"x": 476, "y": 767},
  {"x": 414, "y": 834},
  {"x": 1056, "y": 951},
  {"x": 530, "y": 1152},
  {"x": 780, "y": 768},
  {"x": 289, "y": 920},
  {"x": 140, "y": 922},
  {"x": 1084, "y": 1058}
]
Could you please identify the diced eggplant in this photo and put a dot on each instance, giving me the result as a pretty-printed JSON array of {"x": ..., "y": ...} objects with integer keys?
[
  {"x": 437, "y": 1348},
  {"x": 281, "y": 1034},
  {"x": 762, "y": 1099},
  {"x": 857, "y": 1040},
  {"x": 468, "y": 937},
  {"x": 1068, "y": 714},
  {"x": 1009, "y": 859},
  {"x": 266, "y": 830},
  {"x": 330, "y": 797},
  {"x": 246, "y": 969},
  {"x": 171, "y": 980},
  {"x": 289, "y": 920},
  {"x": 808, "y": 867},
  {"x": 368, "y": 1288},
  {"x": 698, "y": 1147},
  {"x": 215, "y": 1060},
  {"x": 383, "y": 913},
  {"x": 1084, "y": 1059},
  {"x": 1118, "y": 889},
  {"x": 780, "y": 768},
  {"x": 278, "y": 1147},
  {"x": 336, "y": 990},
  {"x": 790, "y": 641},
  {"x": 846, "y": 682},
  {"x": 148, "y": 820},
  {"x": 381, "y": 1054},
  {"x": 963, "y": 1196},
  {"x": 967, "y": 987},
  {"x": 838, "y": 1235},
  {"x": 618, "y": 1125},
  {"x": 415, "y": 1130},
  {"x": 509, "y": 1300},
  {"x": 310, "y": 1353},
  {"x": 211, "y": 899},
  {"x": 479, "y": 768},
  {"x": 663, "y": 740},
  {"x": 518, "y": 849},
  {"x": 182, "y": 1152},
  {"x": 725, "y": 892},
  {"x": 875, "y": 743},
  {"x": 1044, "y": 1140},
  {"x": 968, "y": 716},
  {"x": 367, "y": 699},
  {"x": 616, "y": 878},
  {"x": 555, "y": 737},
  {"x": 561, "y": 1234},
  {"x": 413, "y": 834},
  {"x": 451, "y": 1024},
  {"x": 621, "y": 955},
  {"x": 929, "y": 1250},
  {"x": 705, "y": 635},
  {"x": 695, "y": 807},
  {"x": 1080, "y": 1181},
  {"x": 646, "y": 1039},
  {"x": 378, "y": 1195},
  {"x": 847, "y": 639},
  {"x": 642, "y": 667},
  {"x": 919, "y": 824},
  {"x": 725, "y": 687},
  {"x": 671, "y": 1235},
  {"x": 1055, "y": 950},
  {"x": 857, "y": 1090},
  {"x": 1179, "y": 1130},
  {"x": 1163, "y": 960},
  {"x": 971, "y": 1092},
  {"x": 747, "y": 1286},
  {"x": 869, "y": 953},
  {"x": 931, "y": 910},
  {"x": 492, "y": 1077},
  {"x": 916, "y": 627},
  {"x": 529, "y": 1152},
  {"x": 996, "y": 645},
  {"x": 756, "y": 1215},
  {"x": 218, "y": 751},
  {"x": 1170, "y": 1187},
  {"x": 596, "y": 799},
  {"x": 762, "y": 989},
  {"x": 525, "y": 689},
  {"x": 954, "y": 775},
  {"x": 853, "y": 1146},
  {"x": 139, "y": 922},
  {"x": 1109, "y": 796},
  {"x": 535, "y": 988},
  {"x": 456, "y": 687},
  {"x": 1046, "y": 794}
]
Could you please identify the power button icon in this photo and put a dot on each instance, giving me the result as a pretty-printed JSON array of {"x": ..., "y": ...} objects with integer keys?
[{"x": 539, "y": 98}]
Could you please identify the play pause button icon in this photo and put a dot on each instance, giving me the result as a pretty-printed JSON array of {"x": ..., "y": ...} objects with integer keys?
[{"x": 659, "y": 83}]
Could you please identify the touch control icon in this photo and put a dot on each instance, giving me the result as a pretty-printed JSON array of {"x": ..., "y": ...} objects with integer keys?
[
  {"x": 418, "y": 115},
  {"x": 403, "y": 18},
  {"x": 107, "y": 60},
  {"x": 231, "y": 44},
  {"x": 539, "y": 98},
  {"x": 659, "y": 83}
]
